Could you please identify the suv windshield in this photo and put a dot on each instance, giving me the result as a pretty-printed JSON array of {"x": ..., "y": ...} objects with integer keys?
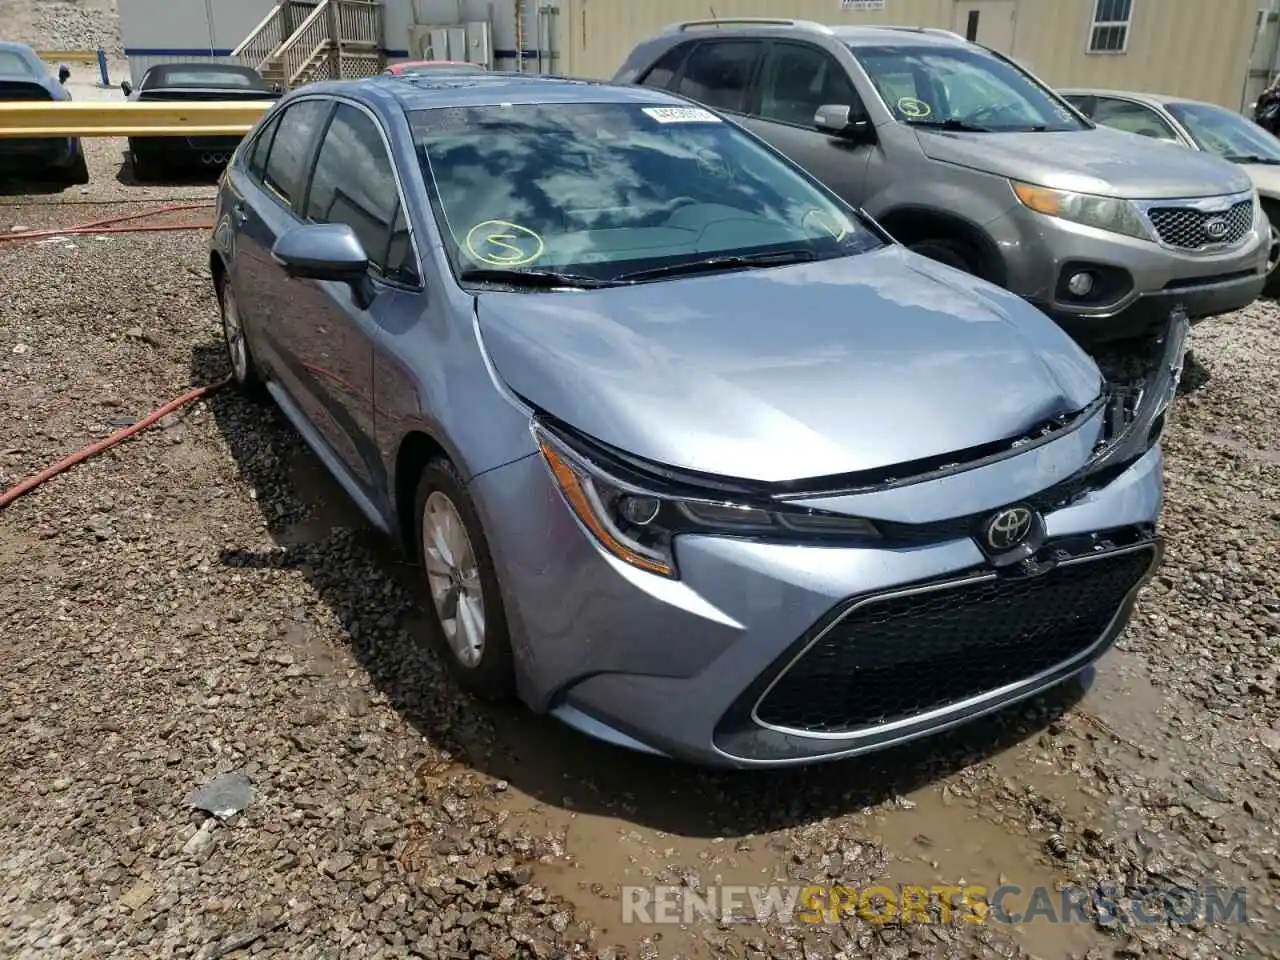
[
  {"x": 1218, "y": 130},
  {"x": 609, "y": 191},
  {"x": 961, "y": 87}
]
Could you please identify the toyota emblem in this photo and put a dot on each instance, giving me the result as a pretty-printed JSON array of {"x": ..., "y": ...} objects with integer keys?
[
  {"x": 1216, "y": 228},
  {"x": 1008, "y": 528}
]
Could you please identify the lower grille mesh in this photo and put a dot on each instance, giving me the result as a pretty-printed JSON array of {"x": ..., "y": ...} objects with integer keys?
[{"x": 896, "y": 658}]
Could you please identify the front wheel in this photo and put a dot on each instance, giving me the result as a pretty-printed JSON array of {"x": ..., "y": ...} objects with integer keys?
[
  {"x": 470, "y": 622},
  {"x": 952, "y": 253},
  {"x": 1272, "y": 287}
]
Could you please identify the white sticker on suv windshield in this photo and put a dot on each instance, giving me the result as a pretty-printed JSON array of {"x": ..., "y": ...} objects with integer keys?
[{"x": 681, "y": 115}]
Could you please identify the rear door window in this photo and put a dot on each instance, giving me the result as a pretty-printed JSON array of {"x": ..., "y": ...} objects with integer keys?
[
  {"x": 261, "y": 147},
  {"x": 718, "y": 73},
  {"x": 292, "y": 148},
  {"x": 665, "y": 70}
]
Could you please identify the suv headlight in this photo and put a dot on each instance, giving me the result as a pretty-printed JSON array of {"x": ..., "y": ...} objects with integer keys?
[
  {"x": 637, "y": 523},
  {"x": 1103, "y": 213}
]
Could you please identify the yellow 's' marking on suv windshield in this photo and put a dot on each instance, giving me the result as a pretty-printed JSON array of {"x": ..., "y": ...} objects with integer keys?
[{"x": 914, "y": 109}]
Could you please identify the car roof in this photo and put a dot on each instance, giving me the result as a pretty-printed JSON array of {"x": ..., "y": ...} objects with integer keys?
[
  {"x": 424, "y": 91},
  {"x": 887, "y": 36},
  {"x": 1154, "y": 99}
]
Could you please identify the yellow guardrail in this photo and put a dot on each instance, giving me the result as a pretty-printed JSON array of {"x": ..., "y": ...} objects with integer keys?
[
  {"x": 129, "y": 119},
  {"x": 68, "y": 56}
]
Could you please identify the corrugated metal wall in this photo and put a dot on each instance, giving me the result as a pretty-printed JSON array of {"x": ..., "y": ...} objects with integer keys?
[{"x": 1194, "y": 48}]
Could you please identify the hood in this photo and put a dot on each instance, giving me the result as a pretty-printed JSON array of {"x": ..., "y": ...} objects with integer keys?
[
  {"x": 793, "y": 372},
  {"x": 1102, "y": 161},
  {"x": 1265, "y": 177}
]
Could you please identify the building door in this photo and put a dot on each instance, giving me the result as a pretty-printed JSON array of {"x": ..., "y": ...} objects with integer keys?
[{"x": 988, "y": 22}]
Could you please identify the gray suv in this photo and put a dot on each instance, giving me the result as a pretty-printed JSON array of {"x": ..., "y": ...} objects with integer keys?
[{"x": 965, "y": 157}]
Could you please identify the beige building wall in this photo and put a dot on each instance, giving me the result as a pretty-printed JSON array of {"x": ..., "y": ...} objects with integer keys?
[{"x": 1192, "y": 48}]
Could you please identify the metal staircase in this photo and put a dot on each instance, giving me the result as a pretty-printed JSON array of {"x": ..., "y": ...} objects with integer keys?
[{"x": 301, "y": 41}]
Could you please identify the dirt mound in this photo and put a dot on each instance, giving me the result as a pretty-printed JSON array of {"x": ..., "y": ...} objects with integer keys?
[{"x": 62, "y": 24}]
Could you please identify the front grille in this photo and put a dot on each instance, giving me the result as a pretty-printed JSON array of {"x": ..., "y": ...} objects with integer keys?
[
  {"x": 1190, "y": 229},
  {"x": 895, "y": 658}
]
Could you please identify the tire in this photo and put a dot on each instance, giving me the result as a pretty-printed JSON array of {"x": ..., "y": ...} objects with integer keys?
[
  {"x": 485, "y": 669},
  {"x": 952, "y": 253},
  {"x": 144, "y": 169},
  {"x": 77, "y": 172},
  {"x": 1272, "y": 287},
  {"x": 236, "y": 342}
]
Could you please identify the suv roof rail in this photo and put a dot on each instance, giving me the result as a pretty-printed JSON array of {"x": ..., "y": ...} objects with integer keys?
[
  {"x": 810, "y": 25},
  {"x": 937, "y": 31}
]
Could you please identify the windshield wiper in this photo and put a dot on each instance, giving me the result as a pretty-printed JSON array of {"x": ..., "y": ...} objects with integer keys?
[
  {"x": 951, "y": 124},
  {"x": 1251, "y": 158},
  {"x": 712, "y": 264},
  {"x": 538, "y": 279}
]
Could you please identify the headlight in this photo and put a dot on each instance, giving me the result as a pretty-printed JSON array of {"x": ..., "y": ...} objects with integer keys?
[
  {"x": 638, "y": 524},
  {"x": 1103, "y": 213}
]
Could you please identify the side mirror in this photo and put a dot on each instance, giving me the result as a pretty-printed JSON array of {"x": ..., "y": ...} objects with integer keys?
[
  {"x": 326, "y": 251},
  {"x": 126, "y": 87},
  {"x": 63, "y": 73},
  {"x": 843, "y": 121}
]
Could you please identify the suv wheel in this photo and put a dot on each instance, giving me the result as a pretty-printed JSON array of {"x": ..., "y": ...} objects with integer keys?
[{"x": 952, "y": 253}]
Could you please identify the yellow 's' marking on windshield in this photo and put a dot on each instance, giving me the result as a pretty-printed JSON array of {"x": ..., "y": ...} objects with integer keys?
[
  {"x": 826, "y": 222},
  {"x": 501, "y": 243},
  {"x": 913, "y": 109}
]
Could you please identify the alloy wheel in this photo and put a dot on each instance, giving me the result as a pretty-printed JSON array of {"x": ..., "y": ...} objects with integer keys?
[
  {"x": 233, "y": 331},
  {"x": 453, "y": 576}
]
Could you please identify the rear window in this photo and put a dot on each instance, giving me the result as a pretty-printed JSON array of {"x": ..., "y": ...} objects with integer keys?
[
  {"x": 203, "y": 77},
  {"x": 11, "y": 62}
]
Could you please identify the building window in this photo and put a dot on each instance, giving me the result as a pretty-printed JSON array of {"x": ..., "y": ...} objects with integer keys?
[{"x": 1109, "y": 32}]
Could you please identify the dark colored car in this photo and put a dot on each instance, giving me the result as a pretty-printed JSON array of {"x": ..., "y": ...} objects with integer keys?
[
  {"x": 433, "y": 68},
  {"x": 151, "y": 156},
  {"x": 24, "y": 76}
]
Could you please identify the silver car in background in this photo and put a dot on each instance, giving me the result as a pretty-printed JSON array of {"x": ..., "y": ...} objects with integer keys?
[
  {"x": 692, "y": 456},
  {"x": 967, "y": 158},
  {"x": 1199, "y": 126}
]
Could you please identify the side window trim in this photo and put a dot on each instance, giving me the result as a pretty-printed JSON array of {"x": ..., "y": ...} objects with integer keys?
[
  {"x": 401, "y": 200},
  {"x": 757, "y": 83}
]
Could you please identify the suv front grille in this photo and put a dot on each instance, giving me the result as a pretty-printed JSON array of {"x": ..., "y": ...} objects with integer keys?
[
  {"x": 1190, "y": 229},
  {"x": 893, "y": 658}
]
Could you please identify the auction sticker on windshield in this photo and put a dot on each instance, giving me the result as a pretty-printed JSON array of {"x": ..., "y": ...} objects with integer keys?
[{"x": 680, "y": 115}]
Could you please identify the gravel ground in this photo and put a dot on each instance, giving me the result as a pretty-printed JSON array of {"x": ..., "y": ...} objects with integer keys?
[
  {"x": 202, "y": 600},
  {"x": 62, "y": 24}
]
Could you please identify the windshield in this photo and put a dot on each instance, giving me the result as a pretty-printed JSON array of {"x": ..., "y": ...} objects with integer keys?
[
  {"x": 11, "y": 62},
  {"x": 1218, "y": 130},
  {"x": 607, "y": 189},
  {"x": 962, "y": 87}
]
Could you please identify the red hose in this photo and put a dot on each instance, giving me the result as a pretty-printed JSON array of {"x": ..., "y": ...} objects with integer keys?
[
  {"x": 94, "y": 226},
  {"x": 26, "y": 486}
]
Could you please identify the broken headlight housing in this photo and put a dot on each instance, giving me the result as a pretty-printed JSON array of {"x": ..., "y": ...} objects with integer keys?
[{"x": 637, "y": 519}]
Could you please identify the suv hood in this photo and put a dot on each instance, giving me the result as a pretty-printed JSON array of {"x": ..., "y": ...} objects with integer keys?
[
  {"x": 1102, "y": 161},
  {"x": 790, "y": 373}
]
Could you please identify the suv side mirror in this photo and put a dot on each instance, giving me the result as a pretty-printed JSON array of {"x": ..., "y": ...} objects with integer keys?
[
  {"x": 63, "y": 73},
  {"x": 126, "y": 86},
  {"x": 843, "y": 121}
]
